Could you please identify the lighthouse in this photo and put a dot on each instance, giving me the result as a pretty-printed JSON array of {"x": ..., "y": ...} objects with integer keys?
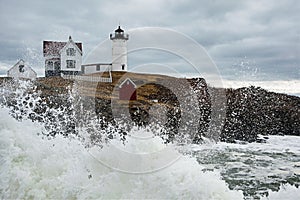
[{"x": 119, "y": 50}]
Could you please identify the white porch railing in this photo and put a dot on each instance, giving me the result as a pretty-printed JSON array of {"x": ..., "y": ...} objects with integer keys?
[{"x": 88, "y": 78}]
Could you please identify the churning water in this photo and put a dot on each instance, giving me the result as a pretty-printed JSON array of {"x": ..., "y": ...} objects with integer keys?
[{"x": 34, "y": 165}]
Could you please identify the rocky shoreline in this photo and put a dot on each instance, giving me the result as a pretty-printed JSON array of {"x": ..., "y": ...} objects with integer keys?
[{"x": 247, "y": 112}]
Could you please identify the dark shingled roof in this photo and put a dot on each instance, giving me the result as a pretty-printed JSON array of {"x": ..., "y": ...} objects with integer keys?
[{"x": 52, "y": 48}]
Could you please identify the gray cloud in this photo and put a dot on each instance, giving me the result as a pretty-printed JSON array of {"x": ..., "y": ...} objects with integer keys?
[{"x": 265, "y": 32}]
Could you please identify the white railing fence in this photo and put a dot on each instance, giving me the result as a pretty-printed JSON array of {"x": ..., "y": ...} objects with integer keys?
[{"x": 88, "y": 78}]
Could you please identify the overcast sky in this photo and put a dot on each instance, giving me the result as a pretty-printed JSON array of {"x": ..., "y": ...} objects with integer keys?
[{"x": 257, "y": 40}]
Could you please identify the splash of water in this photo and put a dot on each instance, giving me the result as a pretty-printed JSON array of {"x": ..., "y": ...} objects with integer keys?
[{"x": 62, "y": 167}]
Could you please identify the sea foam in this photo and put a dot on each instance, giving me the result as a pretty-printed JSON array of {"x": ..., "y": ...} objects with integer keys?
[{"x": 33, "y": 166}]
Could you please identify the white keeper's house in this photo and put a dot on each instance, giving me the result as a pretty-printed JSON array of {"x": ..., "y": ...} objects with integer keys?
[
  {"x": 62, "y": 57},
  {"x": 65, "y": 58}
]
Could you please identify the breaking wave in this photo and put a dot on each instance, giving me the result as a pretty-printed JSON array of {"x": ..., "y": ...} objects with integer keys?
[
  {"x": 54, "y": 148},
  {"x": 35, "y": 163}
]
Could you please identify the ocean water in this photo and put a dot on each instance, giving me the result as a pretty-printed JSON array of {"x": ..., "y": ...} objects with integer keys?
[
  {"x": 270, "y": 169},
  {"x": 36, "y": 166}
]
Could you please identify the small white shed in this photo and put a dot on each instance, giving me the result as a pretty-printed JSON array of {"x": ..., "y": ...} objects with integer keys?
[{"x": 21, "y": 70}]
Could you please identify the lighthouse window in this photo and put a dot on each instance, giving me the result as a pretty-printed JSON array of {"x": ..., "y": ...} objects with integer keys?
[
  {"x": 71, "y": 63},
  {"x": 21, "y": 68},
  {"x": 123, "y": 67},
  {"x": 70, "y": 52}
]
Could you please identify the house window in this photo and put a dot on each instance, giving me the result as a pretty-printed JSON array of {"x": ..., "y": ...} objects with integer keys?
[
  {"x": 71, "y": 63},
  {"x": 71, "y": 52},
  {"x": 57, "y": 65},
  {"x": 98, "y": 68},
  {"x": 50, "y": 65},
  {"x": 21, "y": 68}
]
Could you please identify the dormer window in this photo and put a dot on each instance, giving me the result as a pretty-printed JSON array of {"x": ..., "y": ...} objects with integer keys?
[
  {"x": 21, "y": 68},
  {"x": 71, "y": 52}
]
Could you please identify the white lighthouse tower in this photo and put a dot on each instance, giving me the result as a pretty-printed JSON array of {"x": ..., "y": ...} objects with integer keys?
[{"x": 119, "y": 50}]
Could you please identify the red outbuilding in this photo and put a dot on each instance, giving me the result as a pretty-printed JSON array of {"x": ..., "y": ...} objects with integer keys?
[{"x": 127, "y": 90}]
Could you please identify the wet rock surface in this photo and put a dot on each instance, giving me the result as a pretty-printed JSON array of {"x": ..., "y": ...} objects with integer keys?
[{"x": 248, "y": 112}]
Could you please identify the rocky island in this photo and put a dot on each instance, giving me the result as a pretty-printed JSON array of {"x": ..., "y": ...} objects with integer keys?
[{"x": 248, "y": 112}]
